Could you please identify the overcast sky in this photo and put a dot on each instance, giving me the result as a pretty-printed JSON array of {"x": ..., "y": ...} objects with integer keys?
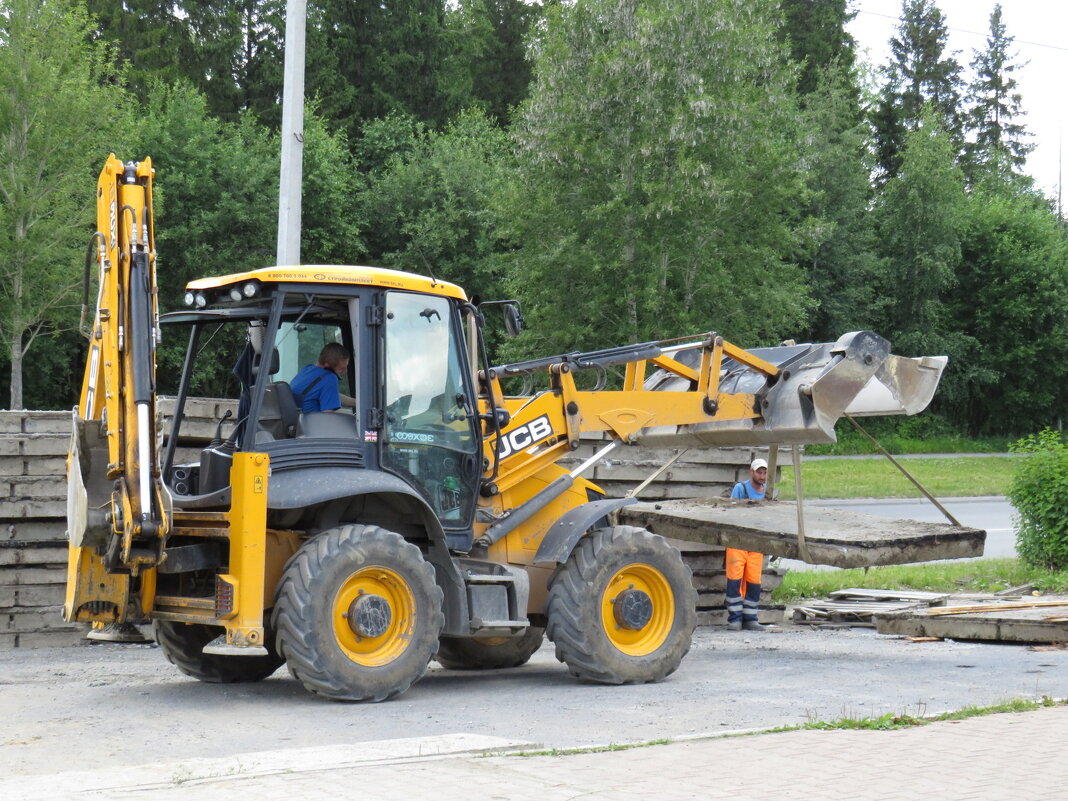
[{"x": 1040, "y": 30}]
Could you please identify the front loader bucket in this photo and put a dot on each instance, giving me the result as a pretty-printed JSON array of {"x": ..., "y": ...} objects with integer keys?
[{"x": 816, "y": 386}]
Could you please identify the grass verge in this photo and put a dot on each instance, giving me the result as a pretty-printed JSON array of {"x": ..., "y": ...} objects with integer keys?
[
  {"x": 878, "y": 478},
  {"x": 980, "y": 575},
  {"x": 904, "y": 721}
]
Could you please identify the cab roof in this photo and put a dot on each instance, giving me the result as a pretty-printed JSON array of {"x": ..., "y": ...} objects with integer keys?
[{"x": 335, "y": 274}]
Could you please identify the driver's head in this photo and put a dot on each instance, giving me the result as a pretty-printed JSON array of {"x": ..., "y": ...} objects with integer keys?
[{"x": 334, "y": 357}]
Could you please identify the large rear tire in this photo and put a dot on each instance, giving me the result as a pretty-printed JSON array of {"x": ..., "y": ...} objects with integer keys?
[
  {"x": 621, "y": 610},
  {"x": 183, "y": 644},
  {"x": 489, "y": 653},
  {"x": 358, "y": 614}
]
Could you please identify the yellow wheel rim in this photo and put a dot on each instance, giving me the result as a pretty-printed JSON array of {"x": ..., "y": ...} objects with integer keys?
[
  {"x": 640, "y": 578},
  {"x": 388, "y": 590}
]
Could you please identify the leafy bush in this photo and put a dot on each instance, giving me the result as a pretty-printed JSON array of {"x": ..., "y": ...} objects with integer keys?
[{"x": 1039, "y": 491}]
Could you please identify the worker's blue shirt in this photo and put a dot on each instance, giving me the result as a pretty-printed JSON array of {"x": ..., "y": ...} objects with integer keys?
[
  {"x": 318, "y": 396},
  {"x": 746, "y": 490}
]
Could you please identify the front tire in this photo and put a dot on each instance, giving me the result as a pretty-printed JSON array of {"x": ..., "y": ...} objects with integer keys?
[
  {"x": 358, "y": 614},
  {"x": 183, "y": 645},
  {"x": 621, "y": 610},
  {"x": 489, "y": 653}
]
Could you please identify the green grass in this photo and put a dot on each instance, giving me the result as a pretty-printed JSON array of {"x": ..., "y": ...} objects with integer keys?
[
  {"x": 878, "y": 478},
  {"x": 924, "y": 433},
  {"x": 903, "y": 721},
  {"x": 981, "y": 575}
]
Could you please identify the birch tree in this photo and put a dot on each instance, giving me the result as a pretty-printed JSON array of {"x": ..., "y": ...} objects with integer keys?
[
  {"x": 660, "y": 175},
  {"x": 59, "y": 109}
]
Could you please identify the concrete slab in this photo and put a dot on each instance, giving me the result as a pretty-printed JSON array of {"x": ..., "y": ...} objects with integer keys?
[
  {"x": 833, "y": 536},
  {"x": 1042, "y": 620}
]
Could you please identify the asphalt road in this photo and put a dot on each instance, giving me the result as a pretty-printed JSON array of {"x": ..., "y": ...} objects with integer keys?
[{"x": 115, "y": 705}]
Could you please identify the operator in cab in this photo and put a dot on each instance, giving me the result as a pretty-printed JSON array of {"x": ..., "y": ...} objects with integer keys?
[{"x": 316, "y": 386}]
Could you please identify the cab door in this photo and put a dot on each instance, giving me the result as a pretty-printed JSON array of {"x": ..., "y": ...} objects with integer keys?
[{"x": 430, "y": 432}]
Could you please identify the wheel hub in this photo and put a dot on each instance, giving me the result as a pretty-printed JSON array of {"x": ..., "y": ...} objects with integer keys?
[
  {"x": 370, "y": 615},
  {"x": 633, "y": 609}
]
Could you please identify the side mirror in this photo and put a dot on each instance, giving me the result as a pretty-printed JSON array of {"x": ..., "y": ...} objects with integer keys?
[{"x": 513, "y": 319}]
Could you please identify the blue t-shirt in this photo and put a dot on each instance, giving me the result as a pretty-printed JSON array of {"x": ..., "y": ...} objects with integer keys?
[
  {"x": 746, "y": 490},
  {"x": 323, "y": 396}
]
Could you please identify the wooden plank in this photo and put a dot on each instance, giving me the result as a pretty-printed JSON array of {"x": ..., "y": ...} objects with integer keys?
[
  {"x": 994, "y": 607},
  {"x": 834, "y": 536},
  {"x": 931, "y": 598}
]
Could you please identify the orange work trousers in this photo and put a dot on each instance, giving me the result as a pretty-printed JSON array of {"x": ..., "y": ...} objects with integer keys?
[{"x": 745, "y": 565}]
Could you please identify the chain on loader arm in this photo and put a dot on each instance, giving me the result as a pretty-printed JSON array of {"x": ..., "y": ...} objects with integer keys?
[{"x": 118, "y": 512}]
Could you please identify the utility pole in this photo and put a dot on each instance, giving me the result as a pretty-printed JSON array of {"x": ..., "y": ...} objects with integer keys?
[{"x": 292, "y": 134}]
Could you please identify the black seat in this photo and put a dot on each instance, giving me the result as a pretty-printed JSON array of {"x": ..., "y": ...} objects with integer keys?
[{"x": 280, "y": 413}]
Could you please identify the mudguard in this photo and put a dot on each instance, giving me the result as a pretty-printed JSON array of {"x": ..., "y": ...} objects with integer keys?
[{"x": 561, "y": 539}]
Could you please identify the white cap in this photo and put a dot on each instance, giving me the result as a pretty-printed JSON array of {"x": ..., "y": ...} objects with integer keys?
[{"x": 757, "y": 464}]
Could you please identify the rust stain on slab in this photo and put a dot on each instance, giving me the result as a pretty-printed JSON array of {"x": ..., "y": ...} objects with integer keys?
[{"x": 833, "y": 536}]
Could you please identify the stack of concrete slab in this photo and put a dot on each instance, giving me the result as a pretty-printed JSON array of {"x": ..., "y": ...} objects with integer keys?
[
  {"x": 710, "y": 581},
  {"x": 695, "y": 473},
  {"x": 33, "y": 542}
]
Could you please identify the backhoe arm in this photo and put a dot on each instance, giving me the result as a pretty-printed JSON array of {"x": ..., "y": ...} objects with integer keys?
[{"x": 118, "y": 512}]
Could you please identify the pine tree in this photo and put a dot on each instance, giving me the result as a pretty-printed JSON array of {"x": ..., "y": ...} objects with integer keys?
[
  {"x": 818, "y": 38},
  {"x": 919, "y": 75},
  {"x": 998, "y": 145}
]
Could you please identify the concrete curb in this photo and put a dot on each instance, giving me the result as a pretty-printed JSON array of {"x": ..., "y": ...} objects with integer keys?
[{"x": 188, "y": 772}]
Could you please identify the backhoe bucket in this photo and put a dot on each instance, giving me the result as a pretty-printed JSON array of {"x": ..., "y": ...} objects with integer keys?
[{"x": 816, "y": 386}]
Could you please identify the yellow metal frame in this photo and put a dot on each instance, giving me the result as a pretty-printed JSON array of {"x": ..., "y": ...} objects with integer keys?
[
  {"x": 332, "y": 275},
  {"x": 623, "y": 413},
  {"x": 248, "y": 548}
]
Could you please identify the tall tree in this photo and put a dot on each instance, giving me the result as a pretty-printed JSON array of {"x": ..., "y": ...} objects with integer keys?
[
  {"x": 842, "y": 264},
  {"x": 370, "y": 57},
  {"x": 430, "y": 208},
  {"x": 919, "y": 219},
  {"x": 818, "y": 38},
  {"x": 1011, "y": 297},
  {"x": 920, "y": 74},
  {"x": 488, "y": 54},
  {"x": 998, "y": 143},
  {"x": 659, "y": 175},
  {"x": 230, "y": 50},
  {"x": 60, "y": 109}
]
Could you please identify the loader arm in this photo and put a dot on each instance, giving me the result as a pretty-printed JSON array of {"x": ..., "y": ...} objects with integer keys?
[
  {"x": 702, "y": 393},
  {"x": 117, "y": 508}
]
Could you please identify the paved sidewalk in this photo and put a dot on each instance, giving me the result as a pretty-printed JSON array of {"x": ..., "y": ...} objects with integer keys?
[{"x": 979, "y": 759}]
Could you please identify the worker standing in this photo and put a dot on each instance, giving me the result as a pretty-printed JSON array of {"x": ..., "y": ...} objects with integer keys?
[{"x": 744, "y": 568}]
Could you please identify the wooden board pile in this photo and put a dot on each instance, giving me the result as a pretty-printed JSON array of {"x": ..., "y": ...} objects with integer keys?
[{"x": 856, "y": 607}]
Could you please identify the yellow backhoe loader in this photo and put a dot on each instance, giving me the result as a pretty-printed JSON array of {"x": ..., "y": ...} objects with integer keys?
[{"x": 432, "y": 519}]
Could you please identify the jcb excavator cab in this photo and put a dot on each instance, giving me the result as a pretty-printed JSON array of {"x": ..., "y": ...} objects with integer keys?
[{"x": 411, "y": 445}]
